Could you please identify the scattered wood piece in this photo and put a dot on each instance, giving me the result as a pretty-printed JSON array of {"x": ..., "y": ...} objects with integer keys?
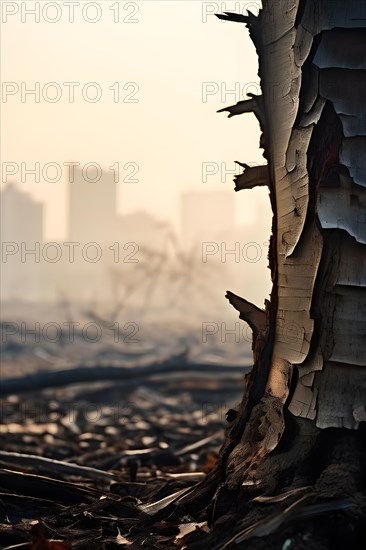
[
  {"x": 186, "y": 528},
  {"x": 283, "y": 496},
  {"x": 186, "y": 476},
  {"x": 155, "y": 507},
  {"x": 11, "y": 460},
  {"x": 198, "y": 444}
]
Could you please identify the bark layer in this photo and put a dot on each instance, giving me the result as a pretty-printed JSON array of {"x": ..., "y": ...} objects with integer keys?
[{"x": 309, "y": 357}]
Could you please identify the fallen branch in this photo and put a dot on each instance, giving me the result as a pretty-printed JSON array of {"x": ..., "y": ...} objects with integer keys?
[{"x": 86, "y": 374}]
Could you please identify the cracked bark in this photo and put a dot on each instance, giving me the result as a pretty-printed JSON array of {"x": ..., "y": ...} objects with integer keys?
[{"x": 312, "y": 333}]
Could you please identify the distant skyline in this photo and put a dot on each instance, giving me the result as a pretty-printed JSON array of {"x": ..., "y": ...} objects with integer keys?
[
  {"x": 100, "y": 244},
  {"x": 91, "y": 213},
  {"x": 165, "y": 60}
]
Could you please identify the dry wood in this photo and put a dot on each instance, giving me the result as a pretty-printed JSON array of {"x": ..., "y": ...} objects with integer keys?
[{"x": 20, "y": 460}]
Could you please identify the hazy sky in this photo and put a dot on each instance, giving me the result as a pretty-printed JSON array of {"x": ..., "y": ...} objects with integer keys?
[{"x": 163, "y": 55}]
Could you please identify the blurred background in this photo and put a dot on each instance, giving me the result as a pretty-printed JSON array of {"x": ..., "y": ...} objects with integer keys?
[{"x": 120, "y": 228}]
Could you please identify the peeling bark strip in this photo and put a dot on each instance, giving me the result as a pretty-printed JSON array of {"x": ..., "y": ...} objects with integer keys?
[
  {"x": 255, "y": 317},
  {"x": 313, "y": 119}
]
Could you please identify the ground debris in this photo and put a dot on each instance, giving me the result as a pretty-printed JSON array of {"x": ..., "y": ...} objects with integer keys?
[{"x": 103, "y": 467}]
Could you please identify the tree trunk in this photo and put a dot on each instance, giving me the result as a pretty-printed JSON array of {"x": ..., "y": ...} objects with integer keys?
[{"x": 309, "y": 344}]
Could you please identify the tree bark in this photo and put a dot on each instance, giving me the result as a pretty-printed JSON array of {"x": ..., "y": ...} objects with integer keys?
[{"x": 309, "y": 345}]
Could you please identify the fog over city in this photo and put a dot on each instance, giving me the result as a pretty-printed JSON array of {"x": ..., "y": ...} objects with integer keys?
[{"x": 117, "y": 200}]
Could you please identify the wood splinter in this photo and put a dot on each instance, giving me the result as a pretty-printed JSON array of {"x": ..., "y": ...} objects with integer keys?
[
  {"x": 252, "y": 105},
  {"x": 253, "y": 176},
  {"x": 237, "y": 17}
]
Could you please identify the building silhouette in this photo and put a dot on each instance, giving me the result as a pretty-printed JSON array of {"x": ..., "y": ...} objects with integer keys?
[
  {"x": 92, "y": 208},
  {"x": 125, "y": 244},
  {"x": 21, "y": 244}
]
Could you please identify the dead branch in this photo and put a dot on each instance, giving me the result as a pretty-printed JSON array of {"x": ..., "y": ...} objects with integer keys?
[{"x": 122, "y": 371}]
